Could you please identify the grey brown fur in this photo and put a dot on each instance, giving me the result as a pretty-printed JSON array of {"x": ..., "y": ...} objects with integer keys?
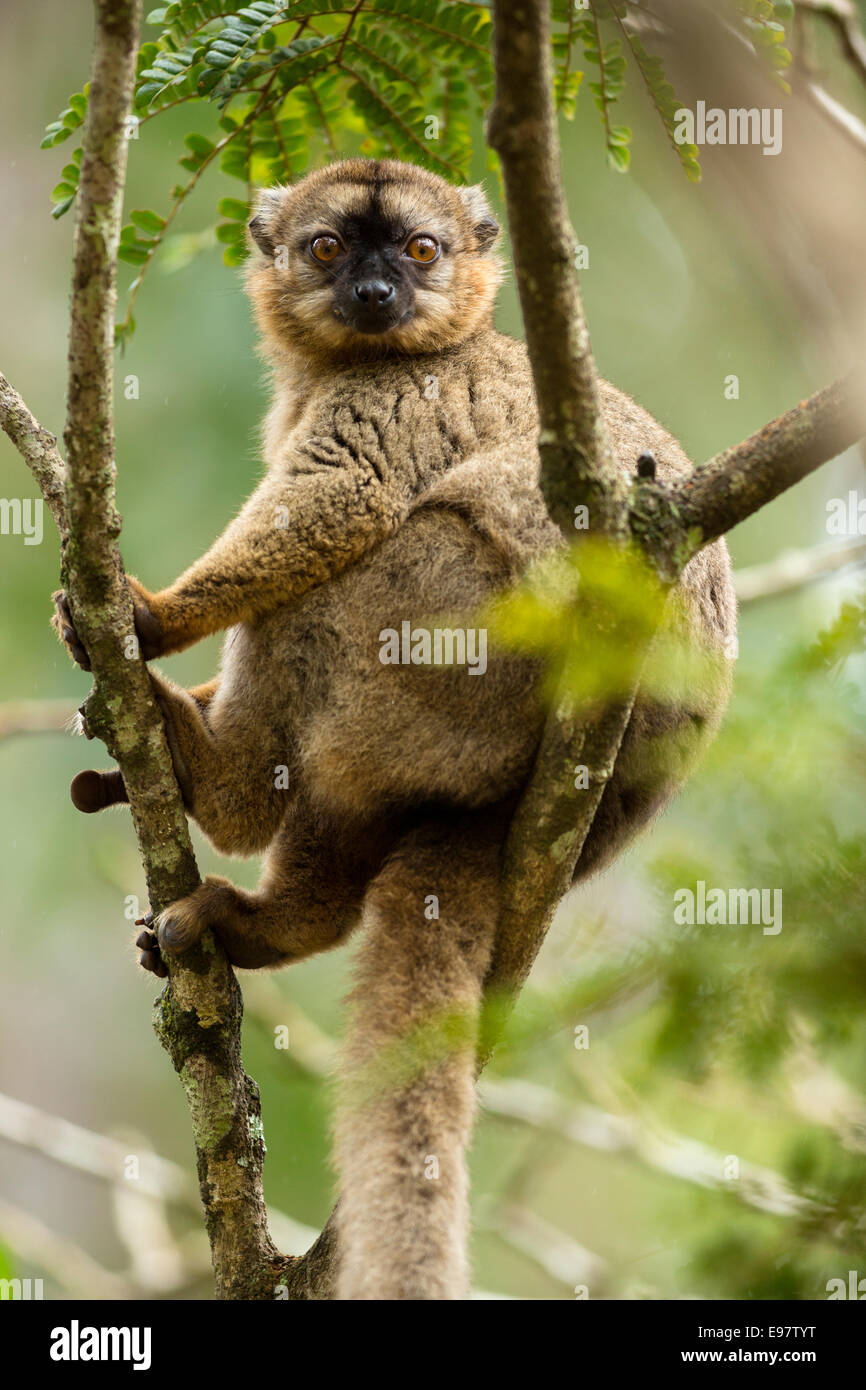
[{"x": 401, "y": 484}]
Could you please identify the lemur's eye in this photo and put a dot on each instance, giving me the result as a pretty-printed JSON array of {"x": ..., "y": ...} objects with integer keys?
[
  {"x": 325, "y": 248},
  {"x": 422, "y": 248}
]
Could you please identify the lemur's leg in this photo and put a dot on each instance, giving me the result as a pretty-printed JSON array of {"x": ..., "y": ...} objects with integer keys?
[
  {"x": 229, "y": 778},
  {"x": 407, "y": 1095},
  {"x": 94, "y": 791},
  {"x": 232, "y": 773},
  {"x": 308, "y": 900}
]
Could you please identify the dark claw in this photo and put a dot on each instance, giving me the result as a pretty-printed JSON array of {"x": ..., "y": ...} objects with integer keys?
[
  {"x": 146, "y": 920},
  {"x": 146, "y": 941}
]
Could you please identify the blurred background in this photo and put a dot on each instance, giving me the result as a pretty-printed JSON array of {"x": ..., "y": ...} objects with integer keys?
[{"x": 708, "y": 1142}]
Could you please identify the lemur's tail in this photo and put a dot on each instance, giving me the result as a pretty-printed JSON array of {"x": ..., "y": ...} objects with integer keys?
[{"x": 407, "y": 1094}]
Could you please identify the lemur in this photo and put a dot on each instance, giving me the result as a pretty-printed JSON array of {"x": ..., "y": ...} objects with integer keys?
[{"x": 402, "y": 483}]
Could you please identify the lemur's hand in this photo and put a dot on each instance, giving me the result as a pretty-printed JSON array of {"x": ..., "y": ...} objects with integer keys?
[
  {"x": 148, "y": 628},
  {"x": 65, "y": 629}
]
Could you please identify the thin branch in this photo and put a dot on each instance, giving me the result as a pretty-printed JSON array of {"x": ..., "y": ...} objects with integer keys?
[
  {"x": 657, "y": 1148},
  {"x": 198, "y": 1016},
  {"x": 103, "y": 1157},
  {"x": 797, "y": 568},
  {"x": 844, "y": 16},
  {"x": 823, "y": 1097},
  {"x": 39, "y": 450},
  {"x": 577, "y": 462},
  {"x": 62, "y": 1259},
  {"x": 557, "y": 1254},
  {"x": 577, "y": 468},
  {"x": 851, "y": 126},
  {"x": 525, "y": 1102},
  {"x": 739, "y": 481},
  {"x": 36, "y": 717},
  {"x": 98, "y": 1155}
]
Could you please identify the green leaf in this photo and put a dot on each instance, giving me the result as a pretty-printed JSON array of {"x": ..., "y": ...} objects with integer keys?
[
  {"x": 199, "y": 144},
  {"x": 234, "y": 209},
  {"x": 148, "y": 221},
  {"x": 135, "y": 255},
  {"x": 230, "y": 232}
]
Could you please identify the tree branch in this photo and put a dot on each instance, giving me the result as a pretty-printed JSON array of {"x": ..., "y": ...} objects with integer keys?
[
  {"x": 795, "y": 569},
  {"x": 38, "y": 448},
  {"x": 198, "y": 1016},
  {"x": 844, "y": 16},
  {"x": 739, "y": 481},
  {"x": 669, "y": 523},
  {"x": 578, "y": 466},
  {"x": 36, "y": 717}
]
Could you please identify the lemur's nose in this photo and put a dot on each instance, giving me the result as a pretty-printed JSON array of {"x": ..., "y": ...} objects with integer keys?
[{"x": 374, "y": 294}]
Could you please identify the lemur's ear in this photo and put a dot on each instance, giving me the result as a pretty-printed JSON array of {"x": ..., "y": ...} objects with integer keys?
[
  {"x": 262, "y": 226},
  {"x": 484, "y": 224}
]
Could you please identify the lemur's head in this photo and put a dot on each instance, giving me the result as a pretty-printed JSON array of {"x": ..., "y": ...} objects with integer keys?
[{"x": 369, "y": 257}]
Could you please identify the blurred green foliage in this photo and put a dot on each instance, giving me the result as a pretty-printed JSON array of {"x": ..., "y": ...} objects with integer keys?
[{"x": 287, "y": 84}]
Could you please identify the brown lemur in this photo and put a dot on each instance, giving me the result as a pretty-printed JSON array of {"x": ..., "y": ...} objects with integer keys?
[{"x": 401, "y": 484}]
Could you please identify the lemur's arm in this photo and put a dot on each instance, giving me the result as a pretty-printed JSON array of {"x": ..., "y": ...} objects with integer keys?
[{"x": 310, "y": 518}]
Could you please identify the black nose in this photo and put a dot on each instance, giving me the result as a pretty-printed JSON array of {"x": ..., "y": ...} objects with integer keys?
[{"x": 374, "y": 294}]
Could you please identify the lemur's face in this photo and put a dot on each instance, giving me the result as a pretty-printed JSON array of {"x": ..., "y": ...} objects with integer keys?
[{"x": 372, "y": 256}]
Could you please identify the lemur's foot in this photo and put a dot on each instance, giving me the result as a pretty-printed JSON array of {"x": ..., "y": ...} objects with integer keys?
[
  {"x": 181, "y": 925},
  {"x": 65, "y": 628},
  {"x": 147, "y": 943},
  {"x": 148, "y": 629}
]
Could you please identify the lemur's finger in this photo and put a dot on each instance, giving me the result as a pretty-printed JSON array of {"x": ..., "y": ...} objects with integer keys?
[
  {"x": 152, "y": 962},
  {"x": 63, "y": 624},
  {"x": 93, "y": 791},
  {"x": 147, "y": 626}
]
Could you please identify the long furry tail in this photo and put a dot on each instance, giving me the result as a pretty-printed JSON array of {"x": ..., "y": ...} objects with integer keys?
[{"x": 407, "y": 1095}]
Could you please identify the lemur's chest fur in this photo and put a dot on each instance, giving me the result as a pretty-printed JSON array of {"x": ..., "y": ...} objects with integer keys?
[{"x": 416, "y": 417}]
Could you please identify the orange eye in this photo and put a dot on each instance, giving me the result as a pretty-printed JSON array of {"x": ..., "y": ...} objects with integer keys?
[
  {"x": 422, "y": 248},
  {"x": 325, "y": 248}
]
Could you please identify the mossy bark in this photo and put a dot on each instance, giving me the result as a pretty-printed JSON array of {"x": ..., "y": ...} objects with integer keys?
[{"x": 198, "y": 1016}]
